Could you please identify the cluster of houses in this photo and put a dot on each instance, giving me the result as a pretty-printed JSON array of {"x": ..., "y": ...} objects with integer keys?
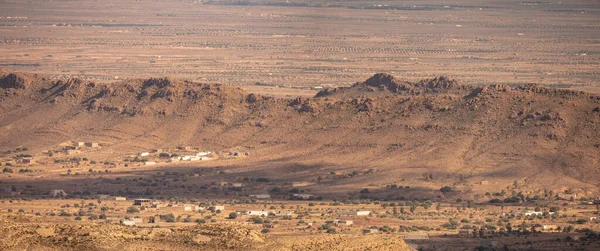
[
  {"x": 75, "y": 148},
  {"x": 198, "y": 156},
  {"x": 155, "y": 205},
  {"x": 90, "y": 144},
  {"x": 529, "y": 213},
  {"x": 150, "y": 204}
]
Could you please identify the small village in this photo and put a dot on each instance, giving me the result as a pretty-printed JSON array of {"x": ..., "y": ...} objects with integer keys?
[
  {"x": 281, "y": 208},
  {"x": 421, "y": 226}
]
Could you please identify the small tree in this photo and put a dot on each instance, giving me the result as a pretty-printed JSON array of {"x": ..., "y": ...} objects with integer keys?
[
  {"x": 132, "y": 209},
  {"x": 233, "y": 215}
]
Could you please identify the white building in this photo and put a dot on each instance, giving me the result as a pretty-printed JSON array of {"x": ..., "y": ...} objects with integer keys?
[
  {"x": 128, "y": 222},
  {"x": 257, "y": 213},
  {"x": 188, "y": 208},
  {"x": 200, "y": 154},
  {"x": 149, "y": 163},
  {"x": 190, "y": 158},
  {"x": 260, "y": 196},
  {"x": 362, "y": 213},
  {"x": 143, "y": 154},
  {"x": 530, "y": 213}
]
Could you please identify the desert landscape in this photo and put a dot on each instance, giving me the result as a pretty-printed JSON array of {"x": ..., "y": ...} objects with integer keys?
[{"x": 304, "y": 125}]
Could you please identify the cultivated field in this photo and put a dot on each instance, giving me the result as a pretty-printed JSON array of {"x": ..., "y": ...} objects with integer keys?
[{"x": 309, "y": 43}]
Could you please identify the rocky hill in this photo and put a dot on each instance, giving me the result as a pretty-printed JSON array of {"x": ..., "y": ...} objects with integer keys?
[{"x": 536, "y": 135}]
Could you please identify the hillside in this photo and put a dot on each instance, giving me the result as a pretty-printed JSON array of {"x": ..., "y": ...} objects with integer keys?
[
  {"x": 23, "y": 233},
  {"x": 459, "y": 134}
]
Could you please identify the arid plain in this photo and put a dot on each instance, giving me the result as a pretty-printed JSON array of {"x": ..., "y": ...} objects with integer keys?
[
  {"x": 338, "y": 43},
  {"x": 255, "y": 125}
]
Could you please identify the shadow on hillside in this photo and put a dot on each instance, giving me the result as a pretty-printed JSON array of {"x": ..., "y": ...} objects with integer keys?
[{"x": 275, "y": 178}]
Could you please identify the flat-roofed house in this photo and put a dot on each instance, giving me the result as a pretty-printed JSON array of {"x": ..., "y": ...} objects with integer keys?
[
  {"x": 362, "y": 213},
  {"x": 142, "y": 202},
  {"x": 91, "y": 144}
]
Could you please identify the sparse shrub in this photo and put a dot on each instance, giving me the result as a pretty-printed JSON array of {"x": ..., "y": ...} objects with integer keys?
[
  {"x": 513, "y": 199},
  {"x": 446, "y": 189},
  {"x": 167, "y": 217},
  {"x": 256, "y": 220}
]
